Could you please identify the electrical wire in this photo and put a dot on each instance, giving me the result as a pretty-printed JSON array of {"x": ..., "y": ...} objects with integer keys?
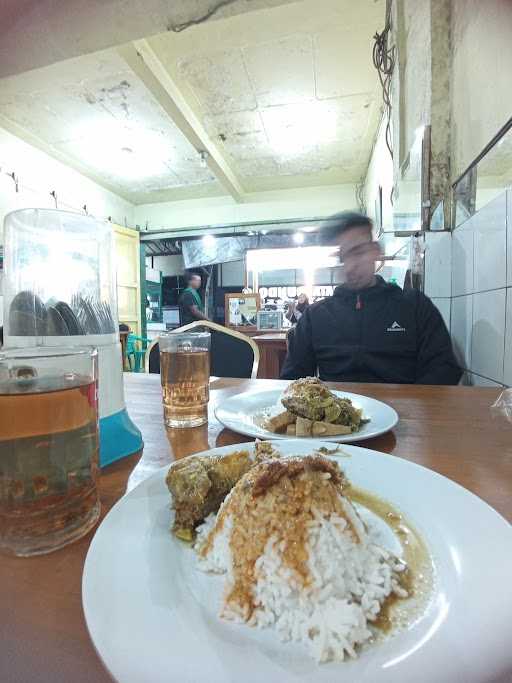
[
  {"x": 178, "y": 28},
  {"x": 384, "y": 58},
  {"x": 361, "y": 204}
]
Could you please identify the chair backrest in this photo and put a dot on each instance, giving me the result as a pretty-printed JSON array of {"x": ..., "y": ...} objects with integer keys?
[
  {"x": 130, "y": 343},
  {"x": 232, "y": 354},
  {"x": 152, "y": 358}
]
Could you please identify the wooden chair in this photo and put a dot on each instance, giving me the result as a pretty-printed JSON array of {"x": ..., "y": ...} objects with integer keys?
[{"x": 233, "y": 354}]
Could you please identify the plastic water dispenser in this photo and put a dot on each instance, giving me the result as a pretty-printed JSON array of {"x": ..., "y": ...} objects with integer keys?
[{"x": 60, "y": 290}]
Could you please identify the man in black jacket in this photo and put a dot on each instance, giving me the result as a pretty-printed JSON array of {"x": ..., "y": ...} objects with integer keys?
[{"x": 369, "y": 330}]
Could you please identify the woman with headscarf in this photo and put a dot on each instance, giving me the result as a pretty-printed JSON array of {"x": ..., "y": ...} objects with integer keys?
[{"x": 297, "y": 308}]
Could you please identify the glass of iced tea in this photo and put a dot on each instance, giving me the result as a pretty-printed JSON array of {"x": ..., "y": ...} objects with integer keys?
[
  {"x": 185, "y": 376},
  {"x": 48, "y": 448}
]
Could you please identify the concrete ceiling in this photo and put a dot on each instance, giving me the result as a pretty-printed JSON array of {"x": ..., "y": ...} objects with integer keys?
[
  {"x": 36, "y": 33},
  {"x": 282, "y": 97}
]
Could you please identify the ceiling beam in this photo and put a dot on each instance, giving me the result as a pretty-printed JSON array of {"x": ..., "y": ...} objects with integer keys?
[{"x": 145, "y": 63}]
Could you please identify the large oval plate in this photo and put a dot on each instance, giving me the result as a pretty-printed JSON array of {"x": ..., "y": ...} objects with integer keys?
[
  {"x": 153, "y": 617},
  {"x": 244, "y": 413}
]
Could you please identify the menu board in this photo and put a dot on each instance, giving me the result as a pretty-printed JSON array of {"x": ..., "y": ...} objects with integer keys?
[{"x": 241, "y": 310}]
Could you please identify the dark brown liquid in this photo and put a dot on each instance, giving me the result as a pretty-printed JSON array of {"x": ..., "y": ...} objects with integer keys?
[
  {"x": 185, "y": 379},
  {"x": 48, "y": 463}
]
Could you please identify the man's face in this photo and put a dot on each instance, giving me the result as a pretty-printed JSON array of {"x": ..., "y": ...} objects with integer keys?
[
  {"x": 358, "y": 255},
  {"x": 195, "y": 282}
]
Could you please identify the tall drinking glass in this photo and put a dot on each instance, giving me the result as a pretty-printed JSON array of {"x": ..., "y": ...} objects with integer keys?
[
  {"x": 48, "y": 448},
  {"x": 185, "y": 375}
]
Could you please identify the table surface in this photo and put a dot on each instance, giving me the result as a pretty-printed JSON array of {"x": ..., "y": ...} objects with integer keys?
[
  {"x": 270, "y": 337},
  {"x": 43, "y": 635}
]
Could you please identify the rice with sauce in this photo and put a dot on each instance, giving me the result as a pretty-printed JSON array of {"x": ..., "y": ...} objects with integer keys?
[{"x": 298, "y": 558}]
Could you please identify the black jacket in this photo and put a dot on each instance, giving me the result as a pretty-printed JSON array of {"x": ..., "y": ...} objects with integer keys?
[{"x": 380, "y": 334}]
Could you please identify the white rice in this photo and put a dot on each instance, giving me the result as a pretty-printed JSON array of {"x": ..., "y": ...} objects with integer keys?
[{"x": 350, "y": 581}]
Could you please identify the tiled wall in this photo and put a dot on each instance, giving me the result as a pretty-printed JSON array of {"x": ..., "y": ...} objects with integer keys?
[
  {"x": 481, "y": 293},
  {"x": 438, "y": 268}
]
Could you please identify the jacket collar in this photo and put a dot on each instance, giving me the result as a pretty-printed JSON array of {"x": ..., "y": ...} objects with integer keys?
[{"x": 380, "y": 288}]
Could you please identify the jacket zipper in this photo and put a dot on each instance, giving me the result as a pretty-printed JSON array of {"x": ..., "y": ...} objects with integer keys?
[{"x": 359, "y": 303}]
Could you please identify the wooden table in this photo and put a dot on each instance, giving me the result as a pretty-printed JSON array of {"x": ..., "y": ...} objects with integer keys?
[
  {"x": 272, "y": 348},
  {"x": 43, "y": 636},
  {"x": 254, "y": 332}
]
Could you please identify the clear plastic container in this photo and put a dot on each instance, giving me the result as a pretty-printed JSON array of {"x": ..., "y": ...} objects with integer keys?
[
  {"x": 48, "y": 448},
  {"x": 60, "y": 276}
]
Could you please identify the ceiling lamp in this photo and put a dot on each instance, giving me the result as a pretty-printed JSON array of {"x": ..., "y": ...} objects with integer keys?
[
  {"x": 208, "y": 240},
  {"x": 298, "y": 238}
]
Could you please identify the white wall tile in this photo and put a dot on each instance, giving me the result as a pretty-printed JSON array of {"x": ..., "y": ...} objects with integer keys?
[
  {"x": 444, "y": 308},
  {"x": 438, "y": 264},
  {"x": 487, "y": 342},
  {"x": 462, "y": 260},
  {"x": 478, "y": 381},
  {"x": 507, "y": 375},
  {"x": 509, "y": 238},
  {"x": 461, "y": 325},
  {"x": 490, "y": 230}
]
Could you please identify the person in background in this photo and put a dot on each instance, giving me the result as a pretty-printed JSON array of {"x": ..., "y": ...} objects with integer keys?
[
  {"x": 297, "y": 308},
  {"x": 191, "y": 306},
  {"x": 369, "y": 330}
]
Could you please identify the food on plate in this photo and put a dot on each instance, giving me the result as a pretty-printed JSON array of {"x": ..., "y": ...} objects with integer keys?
[
  {"x": 264, "y": 450},
  {"x": 298, "y": 558},
  {"x": 303, "y": 426},
  {"x": 199, "y": 484},
  {"x": 313, "y": 410},
  {"x": 282, "y": 421},
  {"x": 329, "y": 429}
]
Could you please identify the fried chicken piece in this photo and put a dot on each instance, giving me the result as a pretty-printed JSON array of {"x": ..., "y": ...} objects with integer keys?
[
  {"x": 309, "y": 398},
  {"x": 305, "y": 398},
  {"x": 199, "y": 484}
]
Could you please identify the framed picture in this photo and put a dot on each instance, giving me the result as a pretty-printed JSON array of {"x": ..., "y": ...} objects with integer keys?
[{"x": 241, "y": 310}]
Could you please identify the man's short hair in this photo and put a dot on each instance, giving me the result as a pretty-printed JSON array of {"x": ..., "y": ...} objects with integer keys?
[
  {"x": 191, "y": 276},
  {"x": 342, "y": 222}
]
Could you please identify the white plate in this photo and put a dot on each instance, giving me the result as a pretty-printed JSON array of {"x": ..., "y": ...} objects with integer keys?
[
  {"x": 240, "y": 413},
  {"x": 153, "y": 617}
]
